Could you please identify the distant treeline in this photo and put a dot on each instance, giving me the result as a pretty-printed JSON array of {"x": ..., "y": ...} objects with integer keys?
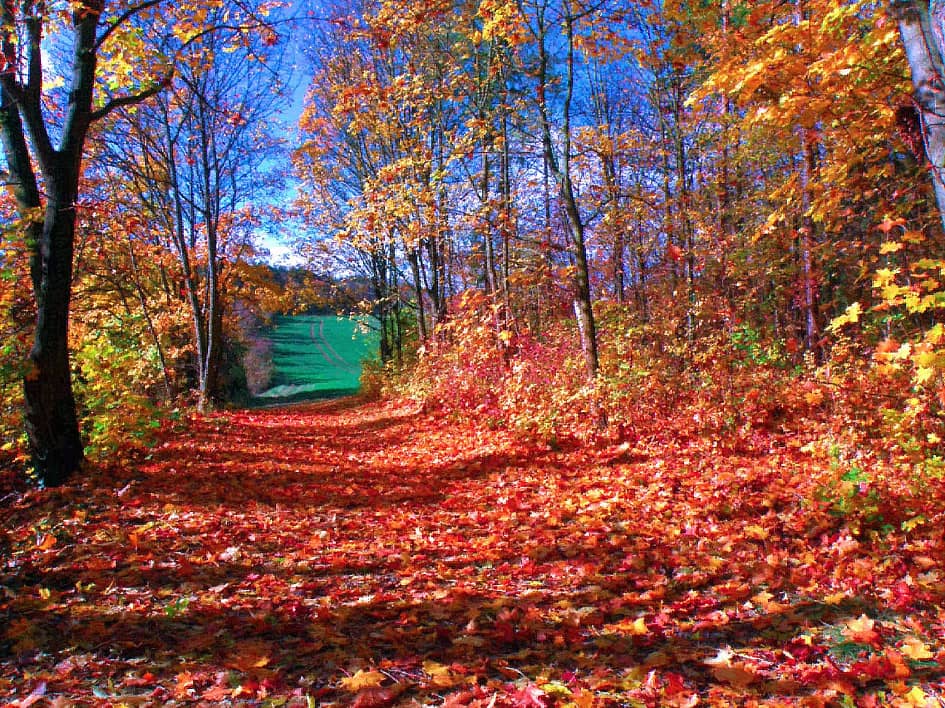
[{"x": 309, "y": 292}]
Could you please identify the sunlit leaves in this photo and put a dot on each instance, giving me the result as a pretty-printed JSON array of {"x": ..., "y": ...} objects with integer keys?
[{"x": 369, "y": 555}]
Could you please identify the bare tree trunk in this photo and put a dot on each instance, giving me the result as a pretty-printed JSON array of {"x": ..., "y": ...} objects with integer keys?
[
  {"x": 414, "y": 258},
  {"x": 922, "y": 37},
  {"x": 51, "y": 422},
  {"x": 146, "y": 311},
  {"x": 806, "y": 245},
  {"x": 561, "y": 171}
]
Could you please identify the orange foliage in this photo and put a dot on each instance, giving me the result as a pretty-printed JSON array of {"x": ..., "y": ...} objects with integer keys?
[{"x": 376, "y": 555}]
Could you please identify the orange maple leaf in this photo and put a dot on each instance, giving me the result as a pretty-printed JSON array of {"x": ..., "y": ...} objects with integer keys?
[{"x": 861, "y": 630}]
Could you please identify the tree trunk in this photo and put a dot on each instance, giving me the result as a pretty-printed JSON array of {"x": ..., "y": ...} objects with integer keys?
[
  {"x": 213, "y": 354},
  {"x": 583, "y": 309},
  {"x": 414, "y": 258},
  {"x": 922, "y": 39},
  {"x": 149, "y": 320},
  {"x": 51, "y": 422},
  {"x": 808, "y": 168}
]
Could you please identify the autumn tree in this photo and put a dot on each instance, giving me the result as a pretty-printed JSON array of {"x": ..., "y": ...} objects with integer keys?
[
  {"x": 39, "y": 150},
  {"x": 382, "y": 131},
  {"x": 338, "y": 162},
  {"x": 118, "y": 59},
  {"x": 922, "y": 29},
  {"x": 198, "y": 161}
]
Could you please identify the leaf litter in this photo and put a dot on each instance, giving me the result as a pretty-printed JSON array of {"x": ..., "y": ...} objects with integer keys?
[{"x": 372, "y": 555}]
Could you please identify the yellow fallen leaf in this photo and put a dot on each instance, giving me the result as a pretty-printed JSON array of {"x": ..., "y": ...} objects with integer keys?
[
  {"x": 916, "y": 697},
  {"x": 362, "y": 679},
  {"x": 440, "y": 674},
  {"x": 635, "y": 627},
  {"x": 756, "y": 532},
  {"x": 861, "y": 630},
  {"x": 861, "y": 624},
  {"x": 915, "y": 648}
]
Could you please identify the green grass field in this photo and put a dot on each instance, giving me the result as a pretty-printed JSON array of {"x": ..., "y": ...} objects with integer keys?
[{"x": 317, "y": 356}]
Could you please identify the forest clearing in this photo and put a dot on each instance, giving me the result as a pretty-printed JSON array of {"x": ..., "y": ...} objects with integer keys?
[{"x": 315, "y": 356}]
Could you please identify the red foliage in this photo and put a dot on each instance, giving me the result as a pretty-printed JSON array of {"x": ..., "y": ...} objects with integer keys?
[{"x": 378, "y": 556}]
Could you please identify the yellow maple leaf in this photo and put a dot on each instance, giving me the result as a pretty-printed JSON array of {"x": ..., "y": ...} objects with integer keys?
[
  {"x": 362, "y": 679},
  {"x": 916, "y": 697},
  {"x": 915, "y": 648},
  {"x": 637, "y": 627},
  {"x": 890, "y": 247},
  {"x": 440, "y": 674},
  {"x": 756, "y": 532},
  {"x": 851, "y": 314}
]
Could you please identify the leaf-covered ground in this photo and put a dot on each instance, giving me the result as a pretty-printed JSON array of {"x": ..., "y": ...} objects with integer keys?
[{"x": 342, "y": 553}]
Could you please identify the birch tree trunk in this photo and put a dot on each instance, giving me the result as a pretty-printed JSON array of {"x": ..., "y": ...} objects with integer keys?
[{"x": 921, "y": 29}]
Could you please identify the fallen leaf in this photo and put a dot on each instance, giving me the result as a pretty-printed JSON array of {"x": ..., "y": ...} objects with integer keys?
[
  {"x": 440, "y": 675},
  {"x": 737, "y": 675},
  {"x": 46, "y": 541},
  {"x": 861, "y": 630},
  {"x": 914, "y": 648},
  {"x": 530, "y": 697},
  {"x": 362, "y": 679},
  {"x": 377, "y": 697}
]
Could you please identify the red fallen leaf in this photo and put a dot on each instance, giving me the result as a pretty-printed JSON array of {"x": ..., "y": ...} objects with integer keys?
[
  {"x": 675, "y": 684},
  {"x": 903, "y": 596},
  {"x": 876, "y": 667},
  {"x": 216, "y": 694},
  {"x": 248, "y": 689},
  {"x": 530, "y": 697},
  {"x": 461, "y": 699},
  {"x": 504, "y": 632},
  {"x": 898, "y": 663},
  {"x": 146, "y": 679},
  {"x": 35, "y": 696},
  {"x": 378, "y": 697}
]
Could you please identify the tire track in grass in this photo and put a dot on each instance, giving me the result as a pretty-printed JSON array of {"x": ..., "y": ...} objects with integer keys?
[
  {"x": 316, "y": 340},
  {"x": 329, "y": 351}
]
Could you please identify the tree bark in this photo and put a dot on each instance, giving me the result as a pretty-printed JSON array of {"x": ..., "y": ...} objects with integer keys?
[
  {"x": 921, "y": 31},
  {"x": 50, "y": 411},
  {"x": 583, "y": 309}
]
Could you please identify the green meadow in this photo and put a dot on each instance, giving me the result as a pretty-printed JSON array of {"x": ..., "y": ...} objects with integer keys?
[{"x": 317, "y": 356}]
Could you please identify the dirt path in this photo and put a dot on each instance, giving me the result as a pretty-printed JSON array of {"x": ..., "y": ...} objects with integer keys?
[{"x": 342, "y": 553}]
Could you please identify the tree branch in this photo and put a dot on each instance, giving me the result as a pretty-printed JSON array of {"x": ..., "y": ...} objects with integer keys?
[
  {"x": 132, "y": 99},
  {"x": 124, "y": 17}
]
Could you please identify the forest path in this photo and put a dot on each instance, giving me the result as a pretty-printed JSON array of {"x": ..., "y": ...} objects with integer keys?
[{"x": 370, "y": 554}]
